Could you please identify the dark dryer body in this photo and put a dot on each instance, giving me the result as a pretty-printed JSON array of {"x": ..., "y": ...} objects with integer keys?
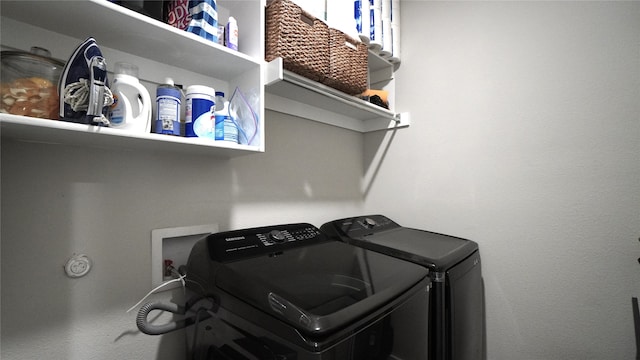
[
  {"x": 457, "y": 311},
  {"x": 289, "y": 292}
]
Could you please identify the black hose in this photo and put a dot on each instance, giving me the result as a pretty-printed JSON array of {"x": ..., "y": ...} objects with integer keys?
[
  {"x": 149, "y": 329},
  {"x": 145, "y": 327}
]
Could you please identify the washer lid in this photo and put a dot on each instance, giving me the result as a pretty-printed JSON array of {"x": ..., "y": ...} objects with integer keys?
[{"x": 321, "y": 287}]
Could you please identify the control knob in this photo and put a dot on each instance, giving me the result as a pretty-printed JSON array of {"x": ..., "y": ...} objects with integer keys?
[
  {"x": 369, "y": 222},
  {"x": 277, "y": 236}
]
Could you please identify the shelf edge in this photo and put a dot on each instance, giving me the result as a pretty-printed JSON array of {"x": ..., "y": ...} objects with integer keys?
[{"x": 29, "y": 129}]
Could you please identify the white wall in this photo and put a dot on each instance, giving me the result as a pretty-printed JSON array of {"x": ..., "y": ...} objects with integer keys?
[
  {"x": 58, "y": 200},
  {"x": 525, "y": 137}
]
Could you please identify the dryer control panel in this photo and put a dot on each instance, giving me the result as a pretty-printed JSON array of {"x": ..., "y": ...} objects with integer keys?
[
  {"x": 359, "y": 227},
  {"x": 271, "y": 240}
]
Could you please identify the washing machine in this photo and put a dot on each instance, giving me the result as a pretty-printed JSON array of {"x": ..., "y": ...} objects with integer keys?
[
  {"x": 290, "y": 292},
  {"x": 457, "y": 310}
]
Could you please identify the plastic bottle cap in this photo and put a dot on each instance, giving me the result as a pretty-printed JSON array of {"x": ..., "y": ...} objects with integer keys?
[
  {"x": 200, "y": 89},
  {"x": 126, "y": 69},
  {"x": 219, "y": 93},
  {"x": 169, "y": 81}
]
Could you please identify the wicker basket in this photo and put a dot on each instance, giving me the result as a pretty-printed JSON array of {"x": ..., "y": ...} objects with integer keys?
[
  {"x": 300, "y": 39},
  {"x": 348, "y": 68}
]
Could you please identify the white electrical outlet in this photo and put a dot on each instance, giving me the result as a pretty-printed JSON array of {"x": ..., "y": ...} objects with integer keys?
[
  {"x": 78, "y": 266},
  {"x": 174, "y": 244}
]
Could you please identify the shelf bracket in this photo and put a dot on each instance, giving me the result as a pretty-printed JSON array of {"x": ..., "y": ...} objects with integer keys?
[{"x": 400, "y": 120}]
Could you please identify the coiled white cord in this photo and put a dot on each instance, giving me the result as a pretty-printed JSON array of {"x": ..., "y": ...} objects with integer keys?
[
  {"x": 77, "y": 96},
  {"x": 180, "y": 278}
]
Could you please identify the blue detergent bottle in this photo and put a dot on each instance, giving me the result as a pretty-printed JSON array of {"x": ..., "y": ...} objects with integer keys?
[
  {"x": 225, "y": 127},
  {"x": 168, "y": 102}
]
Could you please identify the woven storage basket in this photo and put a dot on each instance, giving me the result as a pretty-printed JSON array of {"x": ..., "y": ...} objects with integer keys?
[
  {"x": 348, "y": 67},
  {"x": 299, "y": 38}
]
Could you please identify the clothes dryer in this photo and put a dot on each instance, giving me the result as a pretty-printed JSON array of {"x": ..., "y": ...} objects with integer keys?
[{"x": 457, "y": 311}]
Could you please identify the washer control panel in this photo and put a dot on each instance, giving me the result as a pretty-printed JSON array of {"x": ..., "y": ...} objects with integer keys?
[
  {"x": 270, "y": 240},
  {"x": 280, "y": 236}
]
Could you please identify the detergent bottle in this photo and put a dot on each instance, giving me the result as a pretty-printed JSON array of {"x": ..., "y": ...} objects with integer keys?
[
  {"x": 131, "y": 109},
  {"x": 200, "y": 111},
  {"x": 231, "y": 34},
  {"x": 168, "y": 102},
  {"x": 225, "y": 126}
]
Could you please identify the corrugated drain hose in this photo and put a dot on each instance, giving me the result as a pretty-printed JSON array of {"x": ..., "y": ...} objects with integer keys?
[{"x": 149, "y": 329}]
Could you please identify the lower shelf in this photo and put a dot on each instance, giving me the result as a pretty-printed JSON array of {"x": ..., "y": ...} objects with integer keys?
[
  {"x": 60, "y": 132},
  {"x": 296, "y": 95}
]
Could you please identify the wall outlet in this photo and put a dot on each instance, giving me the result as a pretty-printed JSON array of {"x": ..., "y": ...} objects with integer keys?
[{"x": 174, "y": 245}]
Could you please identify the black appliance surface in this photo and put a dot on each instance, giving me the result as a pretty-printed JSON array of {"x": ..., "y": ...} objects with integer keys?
[
  {"x": 377, "y": 232},
  {"x": 457, "y": 314},
  {"x": 309, "y": 294}
]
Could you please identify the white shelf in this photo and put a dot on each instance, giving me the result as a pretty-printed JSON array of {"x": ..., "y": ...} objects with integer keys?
[
  {"x": 119, "y": 28},
  {"x": 380, "y": 69},
  {"x": 164, "y": 48},
  {"x": 30, "y": 129},
  {"x": 294, "y": 94},
  {"x": 159, "y": 48}
]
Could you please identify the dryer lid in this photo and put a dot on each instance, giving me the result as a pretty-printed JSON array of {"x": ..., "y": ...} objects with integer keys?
[{"x": 437, "y": 251}]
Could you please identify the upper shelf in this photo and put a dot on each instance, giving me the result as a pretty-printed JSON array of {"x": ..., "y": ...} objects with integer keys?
[
  {"x": 127, "y": 31},
  {"x": 60, "y": 132},
  {"x": 119, "y": 28},
  {"x": 290, "y": 93}
]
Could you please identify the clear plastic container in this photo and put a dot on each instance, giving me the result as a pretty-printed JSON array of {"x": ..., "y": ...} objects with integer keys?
[{"x": 30, "y": 83}]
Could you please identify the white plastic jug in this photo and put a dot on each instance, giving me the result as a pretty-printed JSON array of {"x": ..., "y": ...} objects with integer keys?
[{"x": 131, "y": 110}]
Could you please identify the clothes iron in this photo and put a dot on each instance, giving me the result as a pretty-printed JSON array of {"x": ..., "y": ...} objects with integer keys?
[{"x": 84, "y": 94}]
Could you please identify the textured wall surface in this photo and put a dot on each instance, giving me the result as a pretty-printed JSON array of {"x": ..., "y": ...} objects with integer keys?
[
  {"x": 525, "y": 137},
  {"x": 58, "y": 200}
]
